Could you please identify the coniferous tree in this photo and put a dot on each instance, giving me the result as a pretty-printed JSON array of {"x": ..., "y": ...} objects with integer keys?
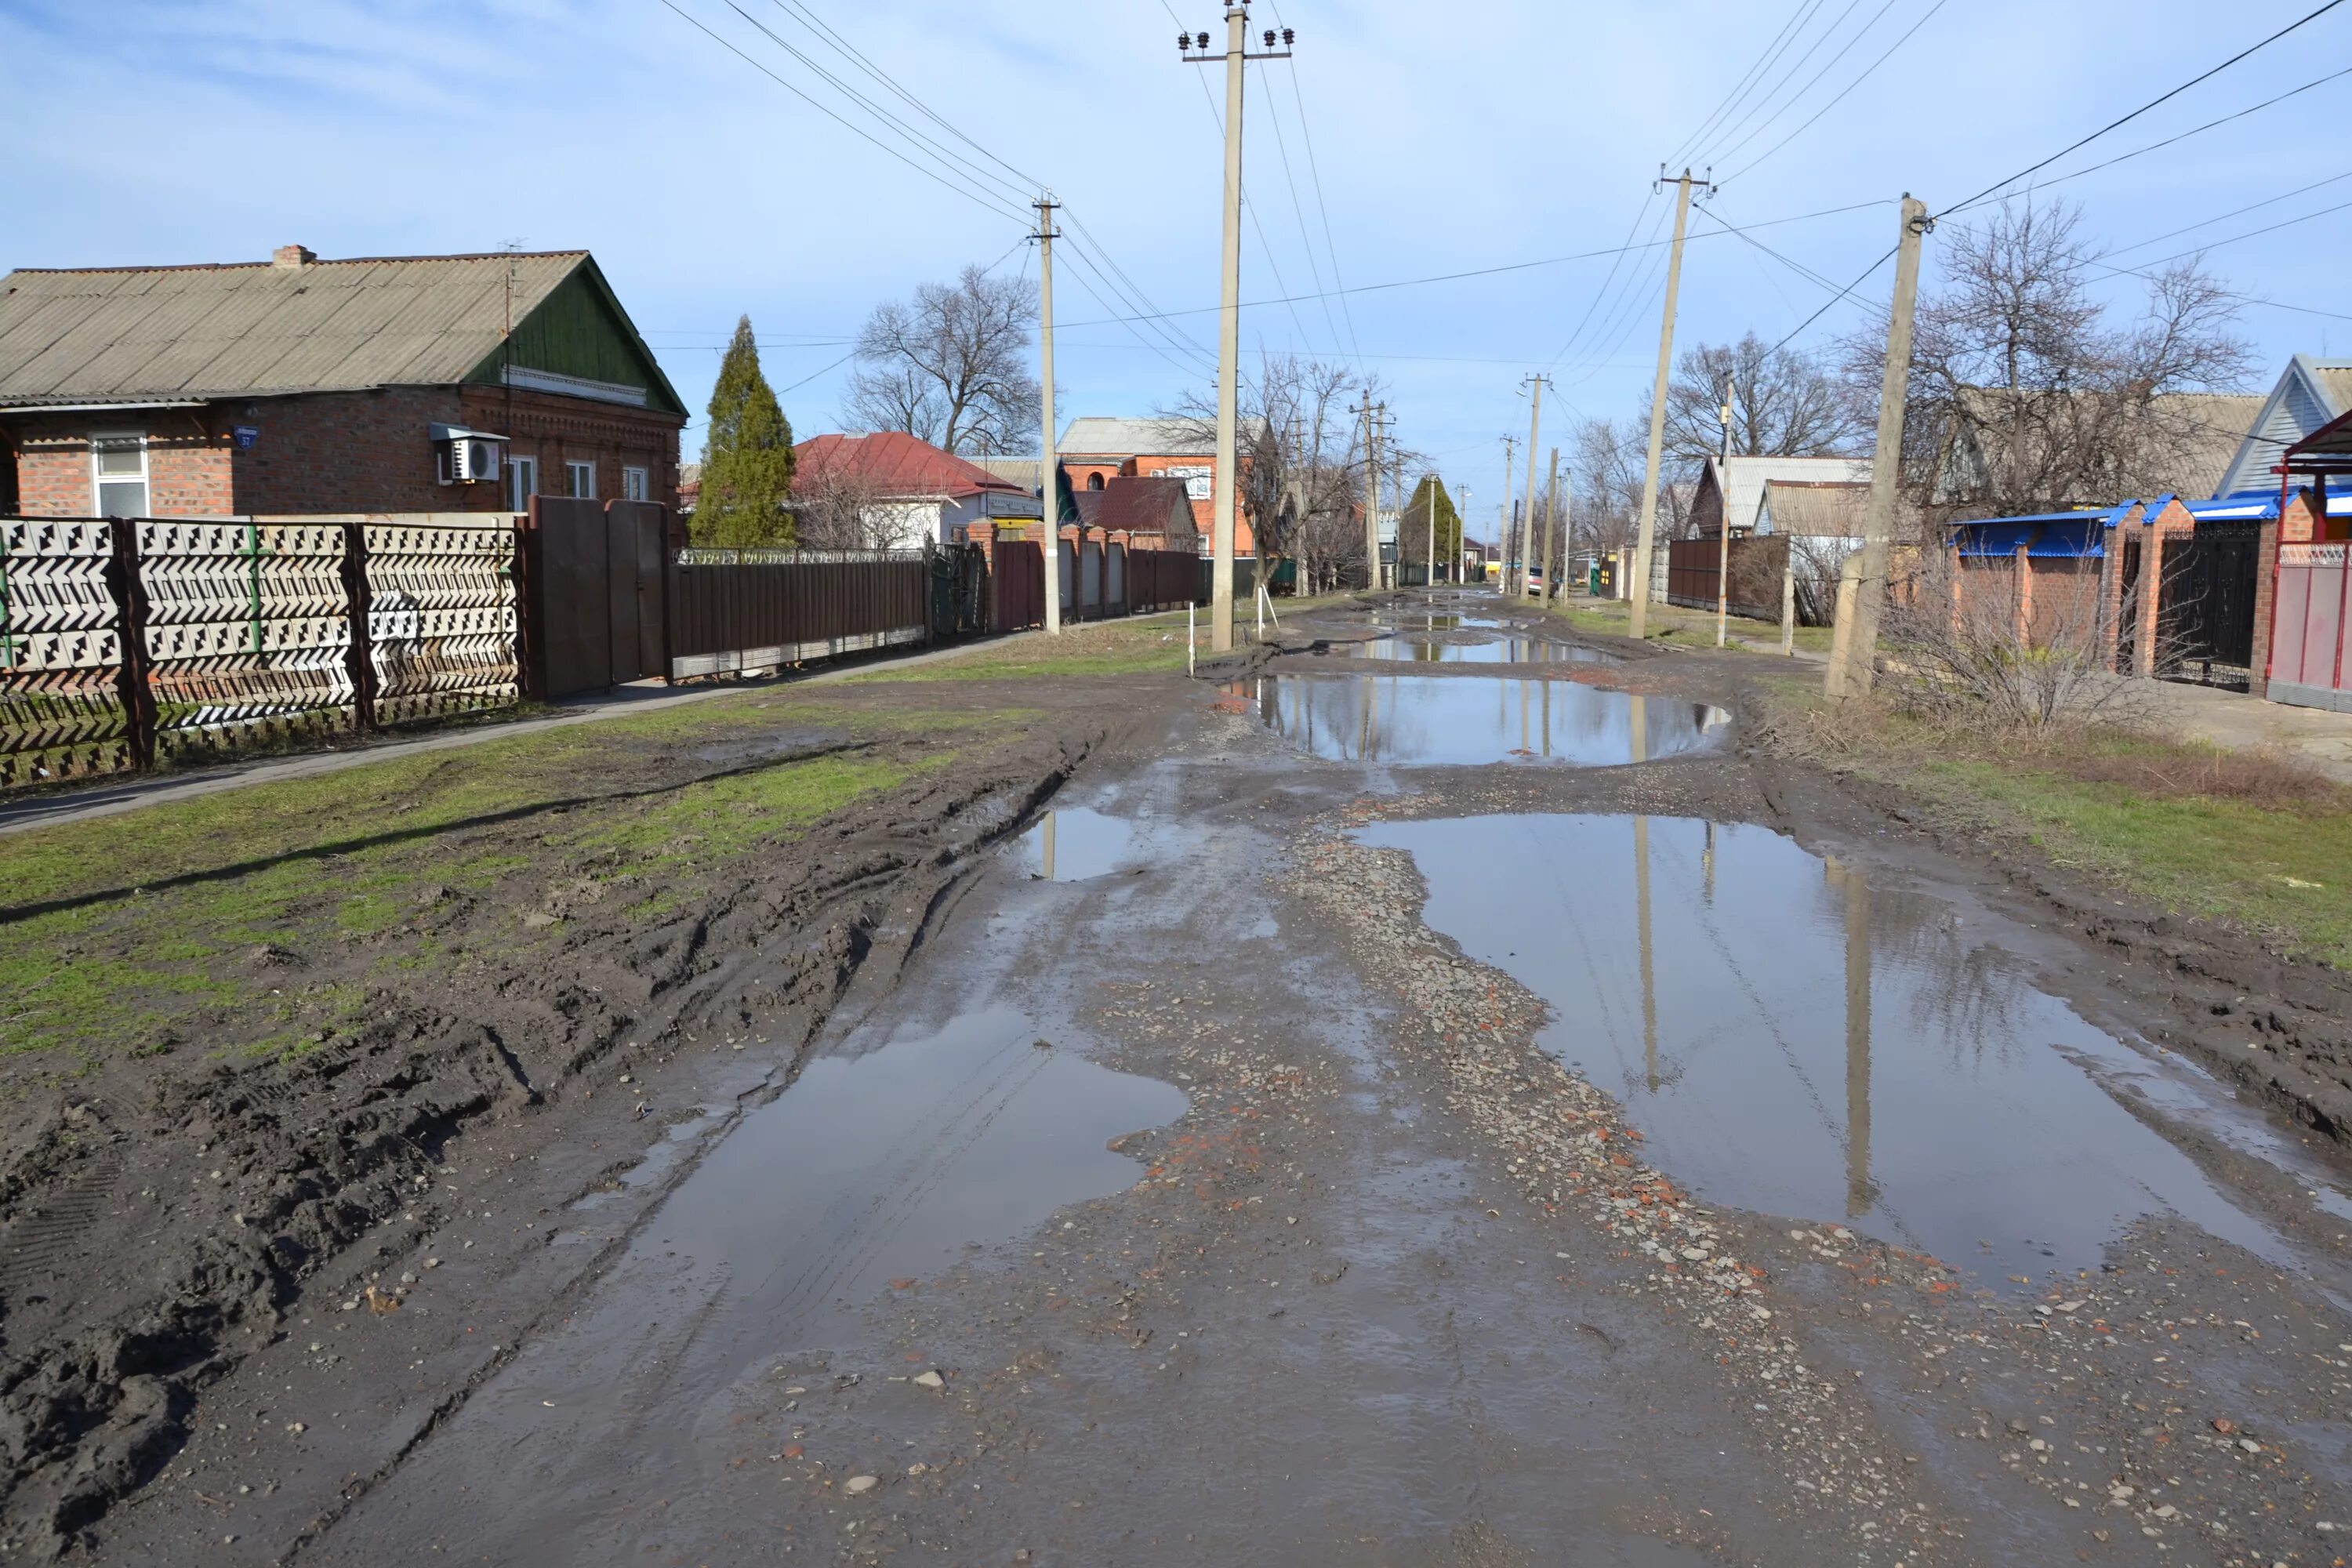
[{"x": 747, "y": 458}]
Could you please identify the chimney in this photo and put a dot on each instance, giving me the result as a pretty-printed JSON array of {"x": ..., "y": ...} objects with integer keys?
[{"x": 295, "y": 257}]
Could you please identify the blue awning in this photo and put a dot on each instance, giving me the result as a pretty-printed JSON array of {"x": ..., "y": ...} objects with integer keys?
[{"x": 2067, "y": 536}]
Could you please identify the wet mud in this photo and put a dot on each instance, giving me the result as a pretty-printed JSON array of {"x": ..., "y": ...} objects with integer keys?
[{"x": 1357, "y": 1149}]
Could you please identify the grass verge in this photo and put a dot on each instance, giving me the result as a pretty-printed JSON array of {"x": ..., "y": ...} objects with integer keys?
[
  {"x": 2255, "y": 840},
  {"x": 1151, "y": 645}
]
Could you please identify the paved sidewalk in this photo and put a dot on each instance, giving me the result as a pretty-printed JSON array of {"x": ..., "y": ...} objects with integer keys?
[
  {"x": 2233, "y": 720},
  {"x": 113, "y": 797}
]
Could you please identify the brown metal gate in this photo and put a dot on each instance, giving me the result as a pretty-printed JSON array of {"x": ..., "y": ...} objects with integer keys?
[{"x": 596, "y": 603}]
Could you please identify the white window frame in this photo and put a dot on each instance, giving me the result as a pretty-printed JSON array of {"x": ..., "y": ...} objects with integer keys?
[
  {"x": 573, "y": 471},
  {"x": 522, "y": 481},
  {"x": 118, "y": 441},
  {"x": 637, "y": 483}
]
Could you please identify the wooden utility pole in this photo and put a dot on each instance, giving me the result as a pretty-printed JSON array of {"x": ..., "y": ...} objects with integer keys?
[
  {"x": 1850, "y": 676},
  {"x": 1723, "y": 526},
  {"x": 1643, "y": 541},
  {"x": 1049, "y": 491},
  {"x": 1535, "y": 385},
  {"x": 1227, "y": 490}
]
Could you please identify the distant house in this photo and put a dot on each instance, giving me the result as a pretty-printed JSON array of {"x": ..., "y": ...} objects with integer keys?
[
  {"x": 2002, "y": 444},
  {"x": 2310, "y": 394},
  {"x": 689, "y": 486},
  {"x": 1734, "y": 487},
  {"x": 1812, "y": 509},
  {"x": 1155, "y": 513},
  {"x": 899, "y": 493},
  {"x": 297, "y": 386},
  {"x": 1095, "y": 450}
]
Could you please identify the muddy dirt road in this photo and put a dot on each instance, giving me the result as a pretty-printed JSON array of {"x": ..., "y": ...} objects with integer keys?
[{"x": 1439, "y": 1098}]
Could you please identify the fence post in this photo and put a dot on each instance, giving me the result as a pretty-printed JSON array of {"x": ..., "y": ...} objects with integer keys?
[
  {"x": 131, "y": 634},
  {"x": 359, "y": 599},
  {"x": 669, "y": 612},
  {"x": 2025, "y": 598}
]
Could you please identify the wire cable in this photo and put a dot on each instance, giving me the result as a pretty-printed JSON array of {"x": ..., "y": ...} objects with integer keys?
[
  {"x": 1748, "y": 125},
  {"x": 1763, "y": 63},
  {"x": 2235, "y": 212},
  {"x": 1864, "y": 75},
  {"x": 2143, "y": 109}
]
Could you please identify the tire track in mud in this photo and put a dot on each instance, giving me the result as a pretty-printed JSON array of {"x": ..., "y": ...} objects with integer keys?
[{"x": 314, "y": 1155}]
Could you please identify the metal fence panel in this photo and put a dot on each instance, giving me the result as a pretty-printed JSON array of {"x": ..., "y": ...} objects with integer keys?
[
  {"x": 1017, "y": 586},
  {"x": 61, "y": 707},
  {"x": 441, "y": 618},
  {"x": 759, "y": 609},
  {"x": 247, "y": 632}
]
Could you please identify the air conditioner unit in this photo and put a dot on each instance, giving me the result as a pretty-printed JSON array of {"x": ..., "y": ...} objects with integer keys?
[{"x": 473, "y": 461}]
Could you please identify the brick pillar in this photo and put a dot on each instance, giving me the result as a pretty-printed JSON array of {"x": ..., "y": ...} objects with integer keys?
[
  {"x": 2151, "y": 577},
  {"x": 2265, "y": 607},
  {"x": 2025, "y": 598}
]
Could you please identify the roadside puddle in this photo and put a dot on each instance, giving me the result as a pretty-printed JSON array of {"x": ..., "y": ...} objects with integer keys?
[
  {"x": 1416, "y": 648},
  {"x": 1792, "y": 1041},
  {"x": 1465, "y": 721},
  {"x": 1071, "y": 844}
]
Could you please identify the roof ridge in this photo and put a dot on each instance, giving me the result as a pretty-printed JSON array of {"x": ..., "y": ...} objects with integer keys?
[{"x": 321, "y": 261}]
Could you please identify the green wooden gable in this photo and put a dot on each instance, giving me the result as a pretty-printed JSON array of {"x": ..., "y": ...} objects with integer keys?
[{"x": 579, "y": 329}]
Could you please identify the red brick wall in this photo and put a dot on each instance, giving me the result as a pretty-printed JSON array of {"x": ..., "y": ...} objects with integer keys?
[
  {"x": 341, "y": 452},
  {"x": 189, "y": 472}
]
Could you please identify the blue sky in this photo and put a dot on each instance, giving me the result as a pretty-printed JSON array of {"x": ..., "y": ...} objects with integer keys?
[{"x": 1442, "y": 140}]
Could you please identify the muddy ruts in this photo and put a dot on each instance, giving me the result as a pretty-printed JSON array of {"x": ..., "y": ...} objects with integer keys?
[{"x": 186, "y": 1230}]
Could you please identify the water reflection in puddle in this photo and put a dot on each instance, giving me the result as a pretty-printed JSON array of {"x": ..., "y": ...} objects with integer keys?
[
  {"x": 1465, "y": 721},
  {"x": 887, "y": 1164},
  {"x": 1071, "y": 844},
  {"x": 1792, "y": 1041},
  {"x": 1415, "y": 650}
]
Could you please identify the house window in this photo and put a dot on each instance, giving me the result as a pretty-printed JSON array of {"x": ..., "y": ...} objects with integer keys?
[
  {"x": 522, "y": 482},
  {"x": 1094, "y": 481},
  {"x": 581, "y": 480},
  {"x": 119, "y": 469},
  {"x": 636, "y": 484}
]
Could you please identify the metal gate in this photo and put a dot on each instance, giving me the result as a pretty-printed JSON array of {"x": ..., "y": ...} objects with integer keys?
[
  {"x": 2127, "y": 615},
  {"x": 597, "y": 611},
  {"x": 2205, "y": 614}
]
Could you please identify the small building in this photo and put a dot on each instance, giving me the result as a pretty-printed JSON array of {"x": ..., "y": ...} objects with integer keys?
[
  {"x": 900, "y": 492},
  {"x": 1150, "y": 513},
  {"x": 1733, "y": 487},
  {"x": 2311, "y": 393},
  {"x": 296, "y": 386}
]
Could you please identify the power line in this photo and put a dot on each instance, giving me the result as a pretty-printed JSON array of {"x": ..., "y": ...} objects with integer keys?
[
  {"x": 966, "y": 192},
  {"x": 2235, "y": 212},
  {"x": 1298, "y": 211},
  {"x": 2250, "y": 233},
  {"x": 2143, "y": 109},
  {"x": 1772, "y": 51},
  {"x": 1833, "y": 298},
  {"x": 1750, "y": 124},
  {"x": 1315, "y": 174},
  {"x": 1864, "y": 75},
  {"x": 1594, "y": 305},
  {"x": 2196, "y": 130}
]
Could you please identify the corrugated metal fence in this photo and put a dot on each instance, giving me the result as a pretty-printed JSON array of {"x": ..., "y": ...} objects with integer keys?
[
  {"x": 127, "y": 640},
  {"x": 756, "y": 609}
]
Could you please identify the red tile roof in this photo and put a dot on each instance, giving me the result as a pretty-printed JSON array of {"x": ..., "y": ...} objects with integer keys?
[
  {"x": 898, "y": 465},
  {"x": 1137, "y": 505}
]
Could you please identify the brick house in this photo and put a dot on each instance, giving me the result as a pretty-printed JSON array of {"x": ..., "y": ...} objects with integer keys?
[
  {"x": 440, "y": 384},
  {"x": 1148, "y": 513},
  {"x": 1095, "y": 450}
]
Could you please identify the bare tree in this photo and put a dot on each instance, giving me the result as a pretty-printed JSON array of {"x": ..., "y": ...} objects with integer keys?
[
  {"x": 1783, "y": 405},
  {"x": 1608, "y": 463},
  {"x": 1302, "y": 484},
  {"x": 2023, "y": 398},
  {"x": 836, "y": 508},
  {"x": 951, "y": 367}
]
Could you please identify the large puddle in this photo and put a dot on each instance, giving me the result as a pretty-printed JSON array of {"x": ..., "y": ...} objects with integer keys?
[
  {"x": 1468, "y": 721},
  {"x": 880, "y": 1167},
  {"x": 1420, "y": 648},
  {"x": 1793, "y": 1041}
]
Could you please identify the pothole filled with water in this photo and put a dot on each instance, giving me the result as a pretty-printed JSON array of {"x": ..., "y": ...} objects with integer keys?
[
  {"x": 1793, "y": 1041},
  {"x": 1467, "y": 720},
  {"x": 1420, "y": 648}
]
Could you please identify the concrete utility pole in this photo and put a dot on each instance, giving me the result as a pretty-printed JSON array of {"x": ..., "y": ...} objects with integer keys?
[
  {"x": 1461, "y": 541},
  {"x": 1194, "y": 48},
  {"x": 1535, "y": 385},
  {"x": 1050, "y": 491},
  {"x": 1502, "y": 528},
  {"x": 1850, "y": 676},
  {"x": 1551, "y": 515},
  {"x": 1371, "y": 495},
  {"x": 1723, "y": 526},
  {"x": 1640, "y": 586}
]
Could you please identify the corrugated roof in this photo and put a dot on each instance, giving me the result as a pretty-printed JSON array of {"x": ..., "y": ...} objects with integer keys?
[
  {"x": 1814, "y": 509},
  {"x": 897, "y": 465},
  {"x": 256, "y": 328},
  {"x": 1741, "y": 480},
  {"x": 1094, "y": 436},
  {"x": 1026, "y": 472}
]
